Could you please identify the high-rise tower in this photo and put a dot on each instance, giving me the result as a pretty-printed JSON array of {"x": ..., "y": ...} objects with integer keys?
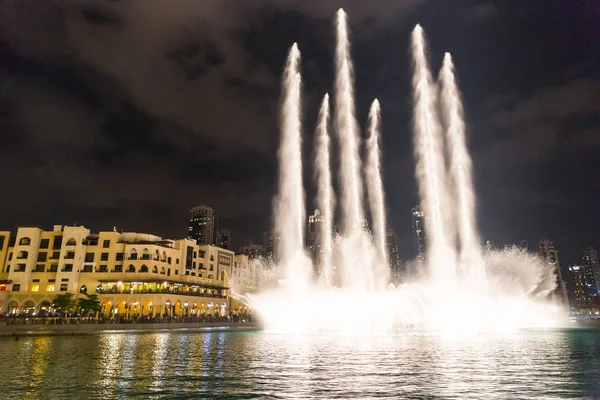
[
  {"x": 590, "y": 261},
  {"x": 224, "y": 239},
  {"x": 313, "y": 237},
  {"x": 203, "y": 225},
  {"x": 584, "y": 287},
  {"x": 398, "y": 274},
  {"x": 549, "y": 253},
  {"x": 418, "y": 226}
]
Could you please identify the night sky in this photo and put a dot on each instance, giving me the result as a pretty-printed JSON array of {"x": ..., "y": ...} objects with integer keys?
[{"x": 128, "y": 112}]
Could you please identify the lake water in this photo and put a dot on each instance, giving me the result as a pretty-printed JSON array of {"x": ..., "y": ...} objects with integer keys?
[{"x": 230, "y": 365}]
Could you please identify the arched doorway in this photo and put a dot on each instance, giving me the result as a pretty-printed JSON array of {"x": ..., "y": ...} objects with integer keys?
[
  {"x": 147, "y": 307},
  {"x": 28, "y": 308},
  {"x": 168, "y": 308},
  {"x": 12, "y": 308},
  {"x": 135, "y": 308},
  {"x": 45, "y": 308}
]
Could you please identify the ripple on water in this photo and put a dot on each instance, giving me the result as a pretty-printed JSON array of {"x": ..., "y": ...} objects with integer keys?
[{"x": 179, "y": 365}]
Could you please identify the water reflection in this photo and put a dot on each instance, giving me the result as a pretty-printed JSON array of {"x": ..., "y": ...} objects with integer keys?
[
  {"x": 241, "y": 365},
  {"x": 110, "y": 362},
  {"x": 159, "y": 360}
]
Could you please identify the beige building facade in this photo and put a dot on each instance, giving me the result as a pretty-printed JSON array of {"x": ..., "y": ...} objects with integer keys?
[{"x": 133, "y": 274}]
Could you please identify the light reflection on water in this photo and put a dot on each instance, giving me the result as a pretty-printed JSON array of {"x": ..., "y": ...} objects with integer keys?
[{"x": 551, "y": 364}]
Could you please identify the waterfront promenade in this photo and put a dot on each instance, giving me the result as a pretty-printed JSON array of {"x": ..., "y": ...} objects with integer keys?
[{"x": 69, "y": 326}]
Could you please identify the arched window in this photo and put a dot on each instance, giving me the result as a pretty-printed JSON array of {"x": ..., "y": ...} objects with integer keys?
[
  {"x": 131, "y": 268},
  {"x": 22, "y": 255},
  {"x": 156, "y": 255},
  {"x": 25, "y": 241},
  {"x": 83, "y": 289},
  {"x": 143, "y": 268},
  {"x": 155, "y": 270},
  {"x": 99, "y": 289},
  {"x": 146, "y": 254},
  {"x": 210, "y": 277},
  {"x": 71, "y": 242},
  {"x": 162, "y": 271},
  {"x": 212, "y": 258},
  {"x": 133, "y": 254},
  {"x": 164, "y": 256}
]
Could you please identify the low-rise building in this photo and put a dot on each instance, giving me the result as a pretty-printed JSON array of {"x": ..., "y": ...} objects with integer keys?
[{"x": 133, "y": 274}]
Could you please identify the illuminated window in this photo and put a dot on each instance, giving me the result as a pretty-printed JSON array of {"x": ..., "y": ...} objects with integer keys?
[
  {"x": 50, "y": 288},
  {"x": 35, "y": 288}
]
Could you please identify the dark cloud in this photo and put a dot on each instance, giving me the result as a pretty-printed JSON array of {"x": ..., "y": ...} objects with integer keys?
[
  {"x": 481, "y": 11},
  {"x": 128, "y": 113}
]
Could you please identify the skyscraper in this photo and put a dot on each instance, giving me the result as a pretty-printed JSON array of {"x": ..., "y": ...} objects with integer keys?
[
  {"x": 584, "y": 287},
  {"x": 271, "y": 242},
  {"x": 590, "y": 260},
  {"x": 548, "y": 252},
  {"x": 203, "y": 225},
  {"x": 313, "y": 239},
  {"x": 398, "y": 274},
  {"x": 418, "y": 226},
  {"x": 225, "y": 239}
]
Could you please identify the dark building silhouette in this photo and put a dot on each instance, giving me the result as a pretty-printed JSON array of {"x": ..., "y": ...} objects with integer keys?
[
  {"x": 585, "y": 295},
  {"x": 252, "y": 251},
  {"x": 203, "y": 225},
  {"x": 271, "y": 242},
  {"x": 314, "y": 231},
  {"x": 549, "y": 253},
  {"x": 590, "y": 261},
  {"x": 397, "y": 273},
  {"x": 418, "y": 226},
  {"x": 225, "y": 239}
]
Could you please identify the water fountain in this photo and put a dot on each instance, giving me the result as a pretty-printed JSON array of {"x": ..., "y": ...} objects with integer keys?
[{"x": 467, "y": 290}]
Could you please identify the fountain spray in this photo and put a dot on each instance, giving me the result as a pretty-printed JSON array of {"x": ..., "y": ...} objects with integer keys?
[
  {"x": 374, "y": 182},
  {"x": 289, "y": 220},
  {"x": 429, "y": 169},
  {"x": 325, "y": 201},
  {"x": 471, "y": 262},
  {"x": 347, "y": 130}
]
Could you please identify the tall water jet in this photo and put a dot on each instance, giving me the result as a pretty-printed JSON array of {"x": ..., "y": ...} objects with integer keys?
[
  {"x": 324, "y": 190},
  {"x": 518, "y": 282},
  {"x": 347, "y": 130},
  {"x": 354, "y": 246},
  {"x": 374, "y": 182},
  {"x": 430, "y": 171},
  {"x": 289, "y": 218},
  {"x": 471, "y": 260}
]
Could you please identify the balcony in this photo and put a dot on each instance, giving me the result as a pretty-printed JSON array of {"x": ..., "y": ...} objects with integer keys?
[{"x": 117, "y": 290}]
